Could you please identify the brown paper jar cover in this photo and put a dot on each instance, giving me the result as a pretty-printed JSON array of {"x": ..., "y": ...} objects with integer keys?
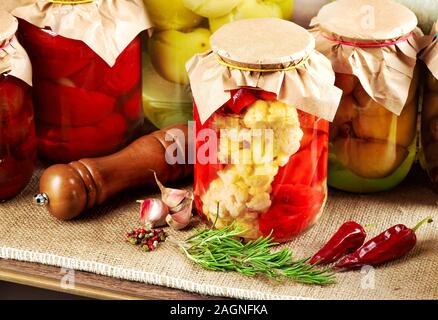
[
  {"x": 267, "y": 54},
  {"x": 375, "y": 40},
  {"x": 13, "y": 58},
  {"x": 106, "y": 26}
]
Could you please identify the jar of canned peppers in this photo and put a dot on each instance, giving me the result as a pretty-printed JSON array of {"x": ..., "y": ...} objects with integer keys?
[
  {"x": 87, "y": 74},
  {"x": 262, "y": 104},
  {"x": 374, "y": 135},
  {"x": 17, "y": 130}
]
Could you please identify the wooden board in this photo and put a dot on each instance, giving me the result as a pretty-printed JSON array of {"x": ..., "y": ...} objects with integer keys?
[{"x": 87, "y": 284}]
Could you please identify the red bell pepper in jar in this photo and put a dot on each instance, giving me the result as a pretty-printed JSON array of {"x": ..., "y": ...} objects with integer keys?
[
  {"x": 391, "y": 244},
  {"x": 303, "y": 165},
  {"x": 294, "y": 208},
  {"x": 240, "y": 99},
  {"x": 347, "y": 239}
]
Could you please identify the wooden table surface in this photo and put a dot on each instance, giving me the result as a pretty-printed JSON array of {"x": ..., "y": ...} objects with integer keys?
[{"x": 87, "y": 284}]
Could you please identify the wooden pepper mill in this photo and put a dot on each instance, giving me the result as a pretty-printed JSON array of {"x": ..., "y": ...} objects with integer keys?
[{"x": 67, "y": 190}]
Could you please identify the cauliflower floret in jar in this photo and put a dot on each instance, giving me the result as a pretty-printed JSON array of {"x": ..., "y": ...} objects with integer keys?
[
  {"x": 277, "y": 112},
  {"x": 287, "y": 143},
  {"x": 260, "y": 202},
  {"x": 262, "y": 146},
  {"x": 259, "y": 181},
  {"x": 229, "y": 176},
  {"x": 256, "y": 115},
  {"x": 266, "y": 137}
]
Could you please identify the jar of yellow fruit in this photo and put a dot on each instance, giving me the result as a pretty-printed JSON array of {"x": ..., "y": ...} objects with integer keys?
[
  {"x": 262, "y": 106},
  {"x": 182, "y": 29},
  {"x": 373, "y": 137},
  {"x": 429, "y": 115}
]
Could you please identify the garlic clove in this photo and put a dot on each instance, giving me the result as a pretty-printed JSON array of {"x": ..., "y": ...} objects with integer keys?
[
  {"x": 153, "y": 213},
  {"x": 181, "y": 219},
  {"x": 171, "y": 197}
]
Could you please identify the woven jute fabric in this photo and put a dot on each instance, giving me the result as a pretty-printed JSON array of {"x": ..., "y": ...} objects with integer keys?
[{"x": 95, "y": 243}]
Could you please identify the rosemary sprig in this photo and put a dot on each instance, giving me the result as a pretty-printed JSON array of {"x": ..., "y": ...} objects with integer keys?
[{"x": 222, "y": 250}]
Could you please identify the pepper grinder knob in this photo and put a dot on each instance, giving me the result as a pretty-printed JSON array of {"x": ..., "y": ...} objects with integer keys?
[{"x": 62, "y": 191}]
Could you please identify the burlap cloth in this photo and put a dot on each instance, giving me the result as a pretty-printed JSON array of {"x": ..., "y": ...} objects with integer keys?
[{"x": 95, "y": 243}]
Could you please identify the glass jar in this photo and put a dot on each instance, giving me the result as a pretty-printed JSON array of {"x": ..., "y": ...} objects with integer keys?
[
  {"x": 373, "y": 138},
  {"x": 371, "y": 148},
  {"x": 182, "y": 29},
  {"x": 429, "y": 128},
  {"x": 17, "y": 130},
  {"x": 84, "y": 107},
  {"x": 277, "y": 172}
]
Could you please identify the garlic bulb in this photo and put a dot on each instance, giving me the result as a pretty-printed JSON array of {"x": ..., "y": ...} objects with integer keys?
[
  {"x": 179, "y": 204},
  {"x": 153, "y": 213},
  {"x": 171, "y": 197},
  {"x": 181, "y": 216}
]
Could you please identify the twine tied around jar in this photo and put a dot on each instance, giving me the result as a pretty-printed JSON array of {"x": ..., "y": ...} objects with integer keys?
[
  {"x": 292, "y": 67},
  {"x": 70, "y": 1},
  {"x": 369, "y": 45}
]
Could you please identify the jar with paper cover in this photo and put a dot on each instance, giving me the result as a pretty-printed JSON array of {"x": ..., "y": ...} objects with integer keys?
[
  {"x": 87, "y": 74},
  {"x": 17, "y": 130},
  {"x": 182, "y": 28},
  {"x": 429, "y": 115},
  {"x": 373, "y": 137},
  {"x": 262, "y": 120}
]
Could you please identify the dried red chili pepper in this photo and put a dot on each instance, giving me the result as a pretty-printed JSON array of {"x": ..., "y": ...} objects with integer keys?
[
  {"x": 349, "y": 237},
  {"x": 391, "y": 244}
]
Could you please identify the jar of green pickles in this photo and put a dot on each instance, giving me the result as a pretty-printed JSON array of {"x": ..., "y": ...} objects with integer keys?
[
  {"x": 182, "y": 29},
  {"x": 373, "y": 137}
]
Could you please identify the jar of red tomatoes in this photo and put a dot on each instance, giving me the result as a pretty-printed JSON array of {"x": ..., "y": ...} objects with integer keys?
[
  {"x": 429, "y": 115},
  {"x": 87, "y": 74},
  {"x": 263, "y": 99},
  {"x": 17, "y": 130}
]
